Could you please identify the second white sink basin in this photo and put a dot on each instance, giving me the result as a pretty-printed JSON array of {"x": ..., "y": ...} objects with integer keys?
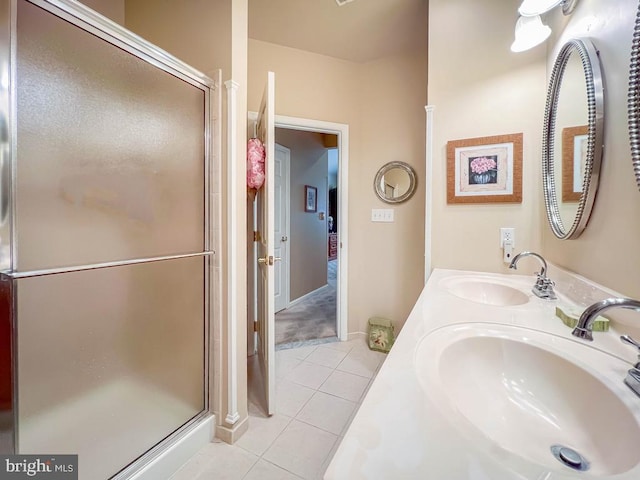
[
  {"x": 525, "y": 391},
  {"x": 485, "y": 291}
]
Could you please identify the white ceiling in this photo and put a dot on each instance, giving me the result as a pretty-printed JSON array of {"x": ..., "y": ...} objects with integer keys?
[{"x": 359, "y": 31}]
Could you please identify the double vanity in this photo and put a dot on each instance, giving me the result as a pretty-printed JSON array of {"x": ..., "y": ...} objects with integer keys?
[{"x": 486, "y": 382}]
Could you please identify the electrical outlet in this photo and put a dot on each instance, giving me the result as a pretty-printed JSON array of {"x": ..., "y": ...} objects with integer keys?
[
  {"x": 507, "y": 243},
  {"x": 507, "y": 235}
]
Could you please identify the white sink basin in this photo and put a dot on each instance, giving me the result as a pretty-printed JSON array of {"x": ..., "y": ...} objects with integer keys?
[
  {"x": 485, "y": 291},
  {"x": 524, "y": 391}
]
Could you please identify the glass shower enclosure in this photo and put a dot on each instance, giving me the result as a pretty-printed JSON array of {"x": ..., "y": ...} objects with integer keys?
[{"x": 105, "y": 252}]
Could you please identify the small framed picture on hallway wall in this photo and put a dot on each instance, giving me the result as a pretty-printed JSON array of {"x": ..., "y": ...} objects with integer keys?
[{"x": 310, "y": 199}]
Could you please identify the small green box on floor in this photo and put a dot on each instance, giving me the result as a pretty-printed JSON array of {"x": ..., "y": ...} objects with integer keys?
[{"x": 381, "y": 336}]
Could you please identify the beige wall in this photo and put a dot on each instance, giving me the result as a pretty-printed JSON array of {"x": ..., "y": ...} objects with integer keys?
[
  {"x": 387, "y": 263},
  {"x": 607, "y": 250},
  {"x": 383, "y": 104},
  {"x": 197, "y": 32},
  {"x": 308, "y": 233},
  {"x": 479, "y": 88},
  {"x": 112, "y": 9},
  {"x": 307, "y": 85}
]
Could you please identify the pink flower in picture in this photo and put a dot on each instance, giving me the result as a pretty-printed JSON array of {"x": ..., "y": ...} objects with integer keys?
[{"x": 482, "y": 164}]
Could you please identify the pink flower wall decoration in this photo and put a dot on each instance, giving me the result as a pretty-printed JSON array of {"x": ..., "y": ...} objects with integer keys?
[{"x": 255, "y": 163}]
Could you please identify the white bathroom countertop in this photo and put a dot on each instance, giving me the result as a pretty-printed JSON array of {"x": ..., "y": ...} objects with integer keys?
[{"x": 399, "y": 433}]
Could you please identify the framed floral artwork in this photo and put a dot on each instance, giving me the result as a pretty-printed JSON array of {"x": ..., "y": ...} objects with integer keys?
[
  {"x": 485, "y": 169},
  {"x": 574, "y": 157}
]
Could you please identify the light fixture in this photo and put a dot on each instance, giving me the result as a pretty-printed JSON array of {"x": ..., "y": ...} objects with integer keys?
[
  {"x": 531, "y": 8},
  {"x": 529, "y": 32}
]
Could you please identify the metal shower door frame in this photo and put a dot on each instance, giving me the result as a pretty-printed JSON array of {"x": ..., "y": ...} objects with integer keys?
[{"x": 109, "y": 31}]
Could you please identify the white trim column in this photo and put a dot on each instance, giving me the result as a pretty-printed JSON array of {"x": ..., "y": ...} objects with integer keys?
[
  {"x": 428, "y": 185},
  {"x": 232, "y": 314}
]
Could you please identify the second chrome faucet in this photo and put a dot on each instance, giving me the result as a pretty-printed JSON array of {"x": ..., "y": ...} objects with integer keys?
[
  {"x": 585, "y": 326},
  {"x": 543, "y": 287},
  {"x": 585, "y": 323}
]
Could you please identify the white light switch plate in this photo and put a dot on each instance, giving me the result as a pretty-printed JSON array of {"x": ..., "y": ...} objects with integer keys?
[{"x": 382, "y": 215}]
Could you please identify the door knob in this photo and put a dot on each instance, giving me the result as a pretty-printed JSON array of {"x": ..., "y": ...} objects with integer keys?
[{"x": 284, "y": 238}]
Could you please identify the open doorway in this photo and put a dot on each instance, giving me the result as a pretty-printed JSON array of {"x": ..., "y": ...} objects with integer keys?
[
  {"x": 306, "y": 237},
  {"x": 340, "y": 131}
]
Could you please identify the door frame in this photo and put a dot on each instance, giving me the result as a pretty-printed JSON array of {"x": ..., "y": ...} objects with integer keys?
[{"x": 341, "y": 130}]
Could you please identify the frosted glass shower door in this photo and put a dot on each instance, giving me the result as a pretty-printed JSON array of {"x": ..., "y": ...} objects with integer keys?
[
  {"x": 110, "y": 361},
  {"x": 108, "y": 283},
  {"x": 110, "y": 151}
]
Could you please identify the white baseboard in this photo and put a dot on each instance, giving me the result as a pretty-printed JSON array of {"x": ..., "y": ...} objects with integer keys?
[
  {"x": 307, "y": 295},
  {"x": 354, "y": 335},
  {"x": 170, "y": 461},
  {"x": 231, "y": 435}
]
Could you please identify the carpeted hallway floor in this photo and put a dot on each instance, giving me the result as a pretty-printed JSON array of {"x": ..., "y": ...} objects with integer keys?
[{"x": 311, "y": 319}]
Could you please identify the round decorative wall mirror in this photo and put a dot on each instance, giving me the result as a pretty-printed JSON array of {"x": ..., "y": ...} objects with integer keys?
[
  {"x": 572, "y": 143},
  {"x": 395, "y": 182}
]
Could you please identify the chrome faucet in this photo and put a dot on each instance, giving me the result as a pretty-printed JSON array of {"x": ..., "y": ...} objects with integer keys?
[
  {"x": 543, "y": 287},
  {"x": 584, "y": 327}
]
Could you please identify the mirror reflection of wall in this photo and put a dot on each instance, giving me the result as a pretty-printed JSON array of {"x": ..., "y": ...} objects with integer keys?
[
  {"x": 396, "y": 182},
  {"x": 571, "y": 140}
]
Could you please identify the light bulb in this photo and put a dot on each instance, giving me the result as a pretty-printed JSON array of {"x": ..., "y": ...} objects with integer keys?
[
  {"x": 531, "y": 8},
  {"x": 529, "y": 32}
]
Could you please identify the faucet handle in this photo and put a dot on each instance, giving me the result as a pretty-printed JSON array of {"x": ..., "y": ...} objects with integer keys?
[
  {"x": 630, "y": 341},
  {"x": 634, "y": 343},
  {"x": 544, "y": 287},
  {"x": 543, "y": 279}
]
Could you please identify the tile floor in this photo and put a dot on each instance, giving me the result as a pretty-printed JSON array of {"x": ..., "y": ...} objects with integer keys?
[{"x": 319, "y": 390}]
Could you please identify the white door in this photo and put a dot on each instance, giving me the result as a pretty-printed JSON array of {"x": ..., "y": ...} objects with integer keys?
[
  {"x": 266, "y": 256},
  {"x": 281, "y": 227}
]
